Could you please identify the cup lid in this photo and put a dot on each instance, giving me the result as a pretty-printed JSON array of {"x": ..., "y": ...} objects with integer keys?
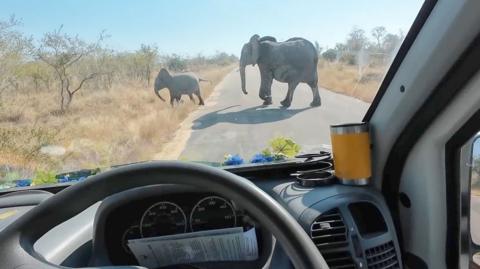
[{"x": 349, "y": 128}]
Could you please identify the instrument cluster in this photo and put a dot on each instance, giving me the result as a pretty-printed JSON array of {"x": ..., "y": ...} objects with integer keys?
[{"x": 167, "y": 215}]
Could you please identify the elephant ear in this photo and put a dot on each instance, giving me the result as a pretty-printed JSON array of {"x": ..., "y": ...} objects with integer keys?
[
  {"x": 164, "y": 74},
  {"x": 255, "y": 47}
]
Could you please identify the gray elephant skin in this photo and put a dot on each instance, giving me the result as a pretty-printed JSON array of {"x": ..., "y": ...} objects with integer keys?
[
  {"x": 293, "y": 61},
  {"x": 178, "y": 85}
]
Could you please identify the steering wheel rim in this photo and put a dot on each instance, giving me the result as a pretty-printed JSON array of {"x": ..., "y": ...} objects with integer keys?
[{"x": 17, "y": 239}]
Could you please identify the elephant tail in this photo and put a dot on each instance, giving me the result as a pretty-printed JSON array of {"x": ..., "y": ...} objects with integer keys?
[{"x": 204, "y": 80}]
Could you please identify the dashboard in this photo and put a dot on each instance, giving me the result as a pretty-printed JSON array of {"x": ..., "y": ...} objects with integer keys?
[{"x": 351, "y": 226}]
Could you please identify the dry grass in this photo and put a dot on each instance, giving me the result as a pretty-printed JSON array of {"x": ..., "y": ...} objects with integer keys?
[
  {"x": 123, "y": 124},
  {"x": 345, "y": 79}
]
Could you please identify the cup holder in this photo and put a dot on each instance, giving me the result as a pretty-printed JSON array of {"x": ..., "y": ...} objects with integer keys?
[{"x": 315, "y": 178}]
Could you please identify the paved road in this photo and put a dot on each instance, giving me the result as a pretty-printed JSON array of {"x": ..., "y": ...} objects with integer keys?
[{"x": 232, "y": 122}]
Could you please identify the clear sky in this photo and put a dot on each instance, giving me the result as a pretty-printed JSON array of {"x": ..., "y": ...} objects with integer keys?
[{"x": 188, "y": 27}]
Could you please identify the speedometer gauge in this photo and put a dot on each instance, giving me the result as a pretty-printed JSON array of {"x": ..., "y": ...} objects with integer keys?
[
  {"x": 163, "y": 218},
  {"x": 133, "y": 232},
  {"x": 212, "y": 212}
]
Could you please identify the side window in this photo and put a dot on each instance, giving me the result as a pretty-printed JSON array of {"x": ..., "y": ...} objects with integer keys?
[{"x": 474, "y": 213}]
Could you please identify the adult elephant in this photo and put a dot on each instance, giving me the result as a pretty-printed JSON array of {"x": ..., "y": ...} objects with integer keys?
[{"x": 293, "y": 61}]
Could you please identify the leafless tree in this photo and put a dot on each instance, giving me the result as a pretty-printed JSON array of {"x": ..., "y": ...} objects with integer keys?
[
  {"x": 148, "y": 57},
  {"x": 62, "y": 53},
  {"x": 356, "y": 39},
  {"x": 378, "y": 33},
  {"x": 13, "y": 48}
]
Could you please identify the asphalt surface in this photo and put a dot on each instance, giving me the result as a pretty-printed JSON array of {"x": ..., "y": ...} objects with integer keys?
[{"x": 234, "y": 123}]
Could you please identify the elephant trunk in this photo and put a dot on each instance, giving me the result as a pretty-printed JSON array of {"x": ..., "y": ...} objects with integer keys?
[
  {"x": 242, "y": 77},
  {"x": 158, "y": 94}
]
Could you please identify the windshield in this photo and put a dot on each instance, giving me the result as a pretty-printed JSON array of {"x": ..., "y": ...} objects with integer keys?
[{"x": 87, "y": 85}]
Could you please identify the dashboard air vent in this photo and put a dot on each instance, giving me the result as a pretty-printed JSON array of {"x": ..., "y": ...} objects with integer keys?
[
  {"x": 382, "y": 256},
  {"x": 329, "y": 234}
]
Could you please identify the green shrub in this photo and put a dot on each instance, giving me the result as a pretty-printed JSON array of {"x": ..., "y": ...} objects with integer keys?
[
  {"x": 176, "y": 63},
  {"x": 44, "y": 177},
  {"x": 281, "y": 147},
  {"x": 330, "y": 55}
]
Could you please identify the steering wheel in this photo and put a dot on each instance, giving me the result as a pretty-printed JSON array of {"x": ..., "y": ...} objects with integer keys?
[{"x": 17, "y": 240}]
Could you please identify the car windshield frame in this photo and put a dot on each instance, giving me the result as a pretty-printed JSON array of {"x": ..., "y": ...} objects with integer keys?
[{"x": 407, "y": 43}]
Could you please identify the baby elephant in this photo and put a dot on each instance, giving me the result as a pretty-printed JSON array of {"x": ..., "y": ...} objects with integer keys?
[{"x": 178, "y": 85}]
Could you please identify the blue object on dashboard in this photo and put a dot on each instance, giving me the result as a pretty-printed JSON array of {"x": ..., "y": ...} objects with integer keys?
[
  {"x": 23, "y": 182},
  {"x": 261, "y": 158},
  {"x": 233, "y": 160}
]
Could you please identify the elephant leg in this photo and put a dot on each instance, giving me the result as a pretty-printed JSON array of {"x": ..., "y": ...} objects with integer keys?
[
  {"x": 265, "y": 92},
  {"x": 317, "y": 101},
  {"x": 191, "y": 97},
  {"x": 267, "y": 99},
  {"x": 288, "y": 99},
  {"x": 201, "y": 103}
]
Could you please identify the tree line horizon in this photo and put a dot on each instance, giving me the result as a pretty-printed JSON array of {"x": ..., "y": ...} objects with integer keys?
[{"x": 65, "y": 63}]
